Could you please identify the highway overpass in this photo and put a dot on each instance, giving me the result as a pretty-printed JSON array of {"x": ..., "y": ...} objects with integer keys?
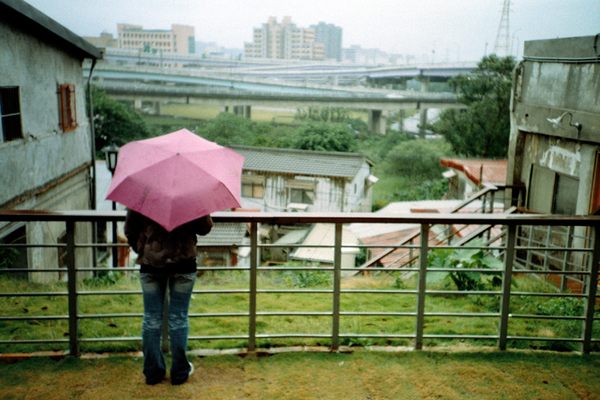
[{"x": 140, "y": 83}]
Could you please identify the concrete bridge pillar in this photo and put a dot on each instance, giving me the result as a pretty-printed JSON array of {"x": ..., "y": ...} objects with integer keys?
[
  {"x": 377, "y": 121},
  {"x": 238, "y": 110},
  {"x": 403, "y": 83},
  {"x": 137, "y": 104},
  {"x": 157, "y": 108},
  {"x": 422, "y": 123},
  {"x": 423, "y": 117}
]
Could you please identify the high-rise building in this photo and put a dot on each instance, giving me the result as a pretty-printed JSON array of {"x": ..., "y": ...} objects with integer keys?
[
  {"x": 331, "y": 37},
  {"x": 180, "y": 39},
  {"x": 284, "y": 40}
]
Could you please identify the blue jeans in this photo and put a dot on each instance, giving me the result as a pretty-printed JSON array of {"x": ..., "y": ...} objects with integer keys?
[{"x": 154, "y": 288}]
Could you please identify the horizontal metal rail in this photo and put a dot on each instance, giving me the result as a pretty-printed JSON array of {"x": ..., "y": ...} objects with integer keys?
[{"x": 507, "y": 250}]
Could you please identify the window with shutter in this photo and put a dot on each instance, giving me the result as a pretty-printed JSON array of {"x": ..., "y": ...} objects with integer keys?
[{"x": 68, "y": 112}]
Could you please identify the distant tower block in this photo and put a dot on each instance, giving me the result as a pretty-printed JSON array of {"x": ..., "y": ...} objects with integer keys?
[{"x": 501, "y": 47}]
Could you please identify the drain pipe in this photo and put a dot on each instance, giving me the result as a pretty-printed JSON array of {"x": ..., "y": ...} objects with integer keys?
[{"x": 93, "y": 147}]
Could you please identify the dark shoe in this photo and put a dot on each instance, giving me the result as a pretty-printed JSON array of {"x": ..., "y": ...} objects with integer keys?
[
  {"x": 154, "y": 381},
  {"x": 189, "y": 374}
]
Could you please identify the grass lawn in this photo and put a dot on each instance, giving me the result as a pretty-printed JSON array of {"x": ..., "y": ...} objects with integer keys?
[
  {"x": 190, "y": 115},
  {"x": 360, "y": 375},
  {"x": 356, "y": 328}
]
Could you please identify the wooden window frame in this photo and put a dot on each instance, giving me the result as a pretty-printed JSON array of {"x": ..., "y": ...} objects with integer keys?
[{"x": 253, "y": 186}]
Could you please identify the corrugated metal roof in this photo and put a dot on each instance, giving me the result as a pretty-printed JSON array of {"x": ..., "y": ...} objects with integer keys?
[
  {"x": 491, "y": 171},
  {"x": 301, "y": 162},
  {"x": 323, "y": 235},
  {"x": 224, "y": 234},
  {"x": 293, "y": 237}
]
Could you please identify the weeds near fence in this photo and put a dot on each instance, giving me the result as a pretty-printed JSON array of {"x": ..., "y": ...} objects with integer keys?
[{"x": 211, "y": 297}]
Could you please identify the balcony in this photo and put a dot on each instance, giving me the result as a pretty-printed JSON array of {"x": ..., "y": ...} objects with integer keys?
[{"x": 559, "y": 254}]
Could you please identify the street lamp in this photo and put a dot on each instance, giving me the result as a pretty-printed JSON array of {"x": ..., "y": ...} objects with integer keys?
[{"x": 112, "y": 154}]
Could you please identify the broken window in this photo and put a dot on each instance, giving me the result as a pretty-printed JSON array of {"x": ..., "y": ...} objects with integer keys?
[{"x": 10, "y": 114}]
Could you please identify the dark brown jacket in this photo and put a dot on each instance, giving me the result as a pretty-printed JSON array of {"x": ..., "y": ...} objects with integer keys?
[{"x": 157, "y": 247}]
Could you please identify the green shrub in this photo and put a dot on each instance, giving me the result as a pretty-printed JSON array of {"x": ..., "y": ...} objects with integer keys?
[{"x": 462, "y": 260}]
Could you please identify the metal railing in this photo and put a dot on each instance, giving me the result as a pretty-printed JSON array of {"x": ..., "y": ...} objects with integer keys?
[{"x": 586, "y": 248}]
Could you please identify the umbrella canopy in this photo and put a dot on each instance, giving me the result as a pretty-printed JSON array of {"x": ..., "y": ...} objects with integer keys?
[{"x": 176, "y": 178}]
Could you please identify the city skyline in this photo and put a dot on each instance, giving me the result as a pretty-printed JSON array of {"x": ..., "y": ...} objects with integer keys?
[{"x": 430, "y": 30}]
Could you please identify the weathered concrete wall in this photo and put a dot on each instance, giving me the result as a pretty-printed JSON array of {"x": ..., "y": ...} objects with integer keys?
[
  {"x": 45, "y": 154},
  {"x": 556, "y": 77},
  {"x": 47, "y": 169},
  {"x": 358, "y": 193}
]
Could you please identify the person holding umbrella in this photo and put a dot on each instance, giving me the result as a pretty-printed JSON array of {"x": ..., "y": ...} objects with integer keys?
[
  {"x": 168, "y": 260},
  {"x": 170, "y": 185}
]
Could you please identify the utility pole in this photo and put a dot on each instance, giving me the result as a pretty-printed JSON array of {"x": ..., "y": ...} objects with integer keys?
[{"x": 501, "y": 46}]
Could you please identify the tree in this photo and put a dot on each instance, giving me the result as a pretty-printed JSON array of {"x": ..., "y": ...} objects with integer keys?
[
  {"x": 228, "y": 129},
  {"x": 114, "y": 122},
  {"x": 483, "y": 128},
  {"x": 324, "y": 136},
  {"x": 417, "y": 159}
]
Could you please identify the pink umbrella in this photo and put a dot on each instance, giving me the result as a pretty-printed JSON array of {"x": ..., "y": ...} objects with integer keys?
[{"x": 176, "y": 178}]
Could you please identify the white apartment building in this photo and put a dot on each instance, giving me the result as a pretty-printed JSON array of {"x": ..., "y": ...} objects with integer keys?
[
  {"x": 180, "y": 39},
  {"x": 284, "y": 40}
]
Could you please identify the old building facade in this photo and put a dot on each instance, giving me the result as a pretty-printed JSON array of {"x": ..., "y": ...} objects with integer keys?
[
  {"x": 46, "y": 145},
  {"x": 277, "y": 180},
  {"x": 555, "y": 126}
]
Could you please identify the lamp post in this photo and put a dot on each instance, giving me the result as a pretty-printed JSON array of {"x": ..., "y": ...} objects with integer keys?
[
  {"x": 457, "y": 51},
  {"x": 112, "y": 153},
  {"x": 512, "y": 42}
]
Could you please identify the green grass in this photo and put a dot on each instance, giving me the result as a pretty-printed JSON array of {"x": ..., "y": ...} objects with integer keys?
[
  {"x": 355, "y": 326},
  {"x": 361, "y": 375}
]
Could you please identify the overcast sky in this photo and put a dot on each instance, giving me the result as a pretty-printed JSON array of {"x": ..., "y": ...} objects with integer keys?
[{"x": 442, "y": 30}]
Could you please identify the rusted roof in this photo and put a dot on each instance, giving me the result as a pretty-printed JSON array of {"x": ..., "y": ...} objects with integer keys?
[
  {"x": 301, "y": 162},
  {"x": 492, "y": 171}
]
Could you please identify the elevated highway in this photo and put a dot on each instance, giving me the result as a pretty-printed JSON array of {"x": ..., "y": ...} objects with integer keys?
[
  {"x": 140, "y": 83},
  {"x": 295, "y": 70}
]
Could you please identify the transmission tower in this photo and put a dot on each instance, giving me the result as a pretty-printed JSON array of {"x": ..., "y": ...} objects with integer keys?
[{"x": 501, "y": 46}]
